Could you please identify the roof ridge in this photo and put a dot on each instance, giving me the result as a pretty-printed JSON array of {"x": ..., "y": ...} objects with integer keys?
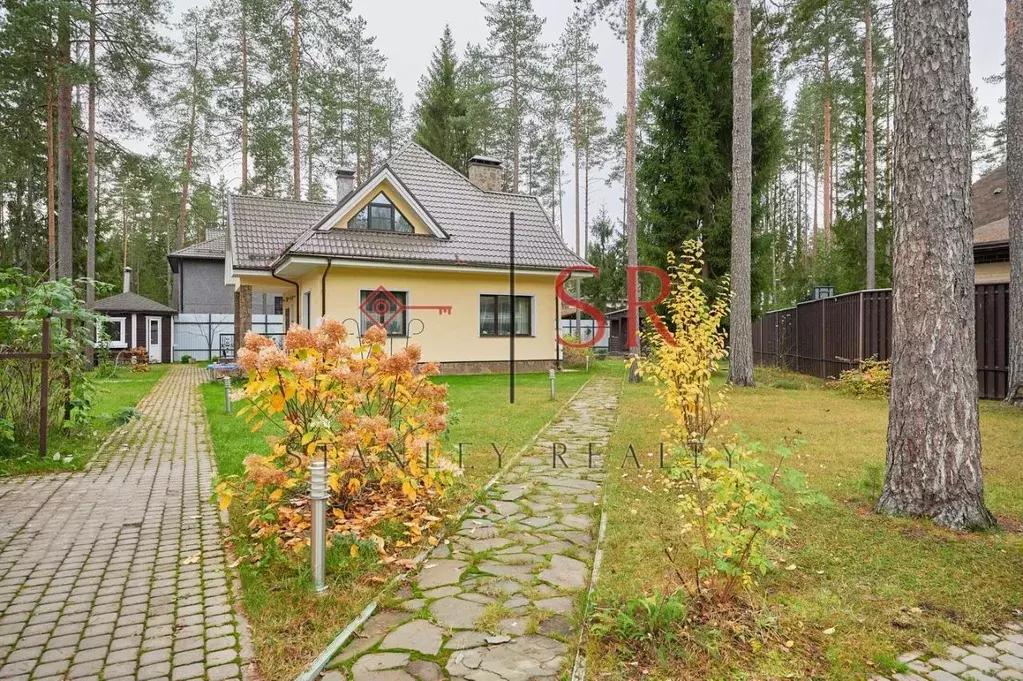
[{"x": 316, "y": 202}]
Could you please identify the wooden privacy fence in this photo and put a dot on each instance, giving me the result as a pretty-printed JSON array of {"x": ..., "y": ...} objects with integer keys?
[{"x": 822, "y": 338}]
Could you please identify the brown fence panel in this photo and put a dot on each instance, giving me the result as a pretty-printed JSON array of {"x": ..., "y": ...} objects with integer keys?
[
  {"x": 810, "y": 338},
  {"x": 877, "y": 324},
  {"x": 823, "y": 337},
  {"x": 992, "y": 301},
  {"x": 842, "y": 348}
]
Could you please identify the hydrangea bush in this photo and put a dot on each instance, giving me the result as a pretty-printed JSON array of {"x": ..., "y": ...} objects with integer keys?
[{"x": 375, "y": 418}]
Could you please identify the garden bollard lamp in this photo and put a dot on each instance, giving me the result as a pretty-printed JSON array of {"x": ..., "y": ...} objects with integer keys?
[
  {"x": 227, "y": 393},
  {"x": 550, "y": 374},
  {"x": 318, "y": 524}
]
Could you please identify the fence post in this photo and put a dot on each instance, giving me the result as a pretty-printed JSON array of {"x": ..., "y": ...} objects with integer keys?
[
  {"x": 860, "y": 333},
  {"x": 44, "y": 392},
  {"x": 67, "y": 375}
]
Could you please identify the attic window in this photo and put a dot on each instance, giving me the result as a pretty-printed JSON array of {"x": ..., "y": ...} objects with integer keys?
[{"x": 380, "y": 215}]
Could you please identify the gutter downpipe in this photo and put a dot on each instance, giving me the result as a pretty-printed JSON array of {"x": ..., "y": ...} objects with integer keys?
[
  {"x": 323, "y": 288},
  {"x": 298, "y": 295}
]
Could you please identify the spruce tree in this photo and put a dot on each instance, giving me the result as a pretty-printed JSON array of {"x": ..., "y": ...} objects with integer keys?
[
  {"x": 685, "y": 166},
  {"x": 441, "y": 108}
]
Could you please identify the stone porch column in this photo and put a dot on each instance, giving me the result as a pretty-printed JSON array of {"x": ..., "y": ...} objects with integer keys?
[{"x": 242, "y": 314}]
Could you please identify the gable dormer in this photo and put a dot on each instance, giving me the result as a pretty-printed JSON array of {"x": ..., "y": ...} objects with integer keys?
[{"x": 384, "y": 205}]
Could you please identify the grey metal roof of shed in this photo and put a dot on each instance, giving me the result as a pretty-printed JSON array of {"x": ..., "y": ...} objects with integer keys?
[
  {"x": 131, "y": 302},
  {"x": 212, "y": 249},
  {"x": 476, "y": 222}
]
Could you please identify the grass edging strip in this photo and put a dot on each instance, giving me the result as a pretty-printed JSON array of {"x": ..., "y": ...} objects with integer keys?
[
  {"x": 317, "y": 665},
  {"x": 579, "y": 666}
]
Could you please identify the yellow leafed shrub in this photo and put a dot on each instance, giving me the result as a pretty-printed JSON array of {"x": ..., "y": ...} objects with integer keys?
[
  {"x": 372, "y": 416},
  {"x": 729, "y": 502}
]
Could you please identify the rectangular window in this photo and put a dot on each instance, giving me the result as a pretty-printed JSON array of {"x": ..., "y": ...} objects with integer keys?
[
  {"x": 384, "y": 308},
  {"x": 278, "y": 305},
  {"x": 113, "y": 331},
  {"x": 496, "y": 315},
  {"x": 307, "y": 309}
]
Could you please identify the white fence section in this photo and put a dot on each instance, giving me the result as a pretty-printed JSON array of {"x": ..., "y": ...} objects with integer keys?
[
  {"x": 199, "y": 335},
  {"x": 586, "y": 332}
]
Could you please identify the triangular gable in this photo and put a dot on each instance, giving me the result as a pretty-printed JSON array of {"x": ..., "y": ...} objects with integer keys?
[{"x": 387, "y": 183}]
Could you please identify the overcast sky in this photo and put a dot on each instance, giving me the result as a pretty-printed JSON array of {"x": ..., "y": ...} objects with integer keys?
[{"x": 408, "y": 30}]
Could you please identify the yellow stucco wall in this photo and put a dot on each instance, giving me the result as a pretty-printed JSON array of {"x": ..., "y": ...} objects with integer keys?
[
  {"x": 992, "y": 273},
  {"x": 445, "y": 338}
]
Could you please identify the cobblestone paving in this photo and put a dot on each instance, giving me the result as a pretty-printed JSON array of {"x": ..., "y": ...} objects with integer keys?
[
  {"x": 119, "y": 572},
  {"x": 502, "y": 600},
  {"x": 1000, "y": 657}
]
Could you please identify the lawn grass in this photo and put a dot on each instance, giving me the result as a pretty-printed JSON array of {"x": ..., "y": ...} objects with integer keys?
[
  {"x": 70, "y": 451},
  {"x": 883, "y": 585},
  {"x": 290, "y": 624}
]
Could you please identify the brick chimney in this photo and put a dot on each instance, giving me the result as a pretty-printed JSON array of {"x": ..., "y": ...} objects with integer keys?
[
  {"x": 127, "y": 280},
  {"x": 485, "y": 173},
  {"x": 344, "y": 182}
]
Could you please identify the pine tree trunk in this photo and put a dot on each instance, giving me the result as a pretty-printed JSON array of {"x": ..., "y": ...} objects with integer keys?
[
  {"x": 816, "y": 187},
  {"x": 296, "y": 162},
  {"x": 186, "y": 173},
  {"x": 90, "y": 258},
  {"x": 1014, "y": 149},
  {"x": 933, "y": 457},
  {"x": 51, "y": 183},
  {"x": 630, "y": 170},
  {"x": 586, "y": 199},
  {"x": 740, "y": 371},
  {"x": 64, "y": 216},
  {"x": 871, "y": 163},
  {"x": 575, "y": 148},
  {"x": 245, "y": 95},
  {"x": 827, "y": 127}
]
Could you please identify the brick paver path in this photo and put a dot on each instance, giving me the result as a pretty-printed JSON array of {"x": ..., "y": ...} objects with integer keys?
[
  {"x": 1000, "y": 657},
  {"x": 502, "y": 601},
  {"x": 119, "y": 572}
]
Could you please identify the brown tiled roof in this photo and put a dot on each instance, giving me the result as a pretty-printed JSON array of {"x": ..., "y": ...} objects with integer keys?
[
  {"x": 475, "y": 222},
  {"x": 991, "y": 208},
  {"x": 990, "y": 198},
  {"x": 131, "y": 302},
  {"x": 261, "y": 228},
  {"x": 992, "y": 232}
]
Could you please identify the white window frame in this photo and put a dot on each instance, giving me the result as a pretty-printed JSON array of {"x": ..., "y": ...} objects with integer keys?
[
  {"x": 532, "y": 314},
  {"x": 122, "y": 322}
]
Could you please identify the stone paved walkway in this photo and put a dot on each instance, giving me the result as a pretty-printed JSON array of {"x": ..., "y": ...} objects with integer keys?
[
  {"x": 119, "y": 572},
  {"x": 1000, "y": 657},
  {"x": 502, "y": 601}
]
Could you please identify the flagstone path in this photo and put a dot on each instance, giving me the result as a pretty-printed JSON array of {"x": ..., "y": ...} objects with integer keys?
[
  {"x": 502, "y": 600},
  {"x": 119, "y": 572},
  {"x": 999, "y": 658}
]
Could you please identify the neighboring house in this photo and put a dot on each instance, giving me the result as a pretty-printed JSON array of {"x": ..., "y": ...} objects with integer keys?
[
  {"x": 583, "y": 328},
  {"x": 134, "y": 321},
  {"x": 417, "y": 248},
  {"x": 205, "y": 326},
  {"x": 991, "y": 227}
]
